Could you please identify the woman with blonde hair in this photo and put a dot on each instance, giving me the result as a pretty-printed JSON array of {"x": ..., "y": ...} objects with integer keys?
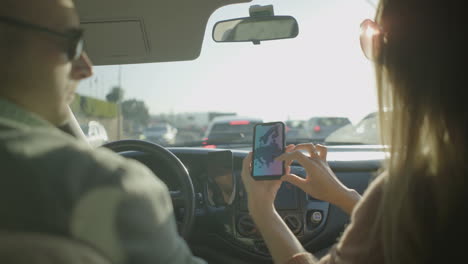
[{"x": 412, "y": 212}]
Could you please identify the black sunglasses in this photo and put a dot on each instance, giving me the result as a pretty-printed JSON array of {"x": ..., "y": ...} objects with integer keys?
[{"x": 74, "y": 37}]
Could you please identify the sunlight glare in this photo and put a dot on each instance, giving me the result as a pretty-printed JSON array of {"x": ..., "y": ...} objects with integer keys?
[{"x": 370, "y": 32}]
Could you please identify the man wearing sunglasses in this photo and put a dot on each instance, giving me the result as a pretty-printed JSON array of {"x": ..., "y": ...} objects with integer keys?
[
  {"x": 44, "y": 58},
  {"x": 50, "y": 182}
]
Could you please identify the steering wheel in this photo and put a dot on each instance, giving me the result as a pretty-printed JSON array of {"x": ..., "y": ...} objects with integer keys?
[{"x": 184, "y": 198}]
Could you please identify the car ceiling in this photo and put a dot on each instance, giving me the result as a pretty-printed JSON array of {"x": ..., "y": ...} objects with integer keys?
[{"x": 142, "y": 31}]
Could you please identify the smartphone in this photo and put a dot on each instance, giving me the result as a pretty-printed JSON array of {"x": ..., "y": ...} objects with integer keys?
[
  {"x": 269, "y": 143},
  {"x": 221, "y": 182}
]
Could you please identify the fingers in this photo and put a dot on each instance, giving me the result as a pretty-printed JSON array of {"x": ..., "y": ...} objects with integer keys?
[
  {"x": 246, "y": 163},
  {"x": 290, "y": 148},
  {"x": 288, "y": 158},
  {"x": 315, "y": 151},
  {"x": 288, "y": 167},
  {"x": 310, "y": 148},
  {"x": 322, "y": 150},
  {"x": 294, "y": 179}
]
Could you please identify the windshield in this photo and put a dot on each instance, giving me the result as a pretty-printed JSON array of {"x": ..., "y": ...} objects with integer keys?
[
  {"x": 365, "y": 132},
  {"x": 84, "y": 128},
  {"x": 317, "y": 83},
  {"x": 231, "y": 132},
  {"x": 156, "y": 129},
  {"x": 230, "y": 128}
]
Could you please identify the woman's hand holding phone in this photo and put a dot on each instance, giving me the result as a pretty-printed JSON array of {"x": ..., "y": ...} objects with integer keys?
[
  {"x": 320, "y": 182},
  {"x": 261, "y": 194}
]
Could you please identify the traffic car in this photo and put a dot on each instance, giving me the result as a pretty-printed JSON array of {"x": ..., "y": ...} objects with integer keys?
[
  {"x": 366, "y": 131},
  {"x": 95, "y": 133},
  {"x": 297, "y": 130},
  {"x": 163, "y": 133},
  {"x": 230, "y": 130},
  {"x": 167, "y": 54},
  {"x": 321, "y": 127}
]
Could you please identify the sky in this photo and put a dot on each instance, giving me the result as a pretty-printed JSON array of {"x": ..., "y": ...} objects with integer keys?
[{"x": 322, "y": 72}]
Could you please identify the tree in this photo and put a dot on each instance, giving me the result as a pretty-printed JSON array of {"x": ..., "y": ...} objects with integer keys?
[
  {"x": 136, "y": 111},
  {"x": 115, "y": 95}
]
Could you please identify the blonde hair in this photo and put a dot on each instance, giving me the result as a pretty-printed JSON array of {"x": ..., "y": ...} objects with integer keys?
[{"x": 423, "y": 118}]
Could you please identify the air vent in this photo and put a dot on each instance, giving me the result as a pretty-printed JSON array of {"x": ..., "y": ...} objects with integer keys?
[
  {"x": 294, "y": 223},
  {"x": 246, "y": 226}
]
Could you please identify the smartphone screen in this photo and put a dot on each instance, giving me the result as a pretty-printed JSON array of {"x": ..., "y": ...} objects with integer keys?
[
  {"x": 221, "y": 183},
  {"x": 268, "y": 145}
]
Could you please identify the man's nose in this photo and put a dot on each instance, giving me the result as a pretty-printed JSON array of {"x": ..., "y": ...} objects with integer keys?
[{"x": 82, "y": 67}]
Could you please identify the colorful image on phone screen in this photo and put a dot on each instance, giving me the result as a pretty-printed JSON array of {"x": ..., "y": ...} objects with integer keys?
[{"x": 268, "y": 145}]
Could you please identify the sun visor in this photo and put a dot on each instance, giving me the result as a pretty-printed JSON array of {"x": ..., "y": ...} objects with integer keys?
[
  {"x": 110, "y": 40},
  {"x": 143, "y": 31}
]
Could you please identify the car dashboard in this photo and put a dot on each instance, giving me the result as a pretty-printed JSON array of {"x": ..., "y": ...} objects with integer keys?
[{"x": 225, "y": 233}]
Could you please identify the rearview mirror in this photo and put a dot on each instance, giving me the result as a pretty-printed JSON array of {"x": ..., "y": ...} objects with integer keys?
[{"x": 256, "y": 29}]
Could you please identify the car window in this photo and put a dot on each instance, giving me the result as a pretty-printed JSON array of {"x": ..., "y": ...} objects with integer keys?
[{"x": 312, "y": 76}]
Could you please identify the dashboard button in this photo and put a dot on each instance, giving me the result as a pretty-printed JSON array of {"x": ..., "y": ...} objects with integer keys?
[{"x": 316, "y": 217}]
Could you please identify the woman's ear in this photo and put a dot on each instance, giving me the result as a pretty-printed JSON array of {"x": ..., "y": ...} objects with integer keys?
[{"x": 371, "y": 39}]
